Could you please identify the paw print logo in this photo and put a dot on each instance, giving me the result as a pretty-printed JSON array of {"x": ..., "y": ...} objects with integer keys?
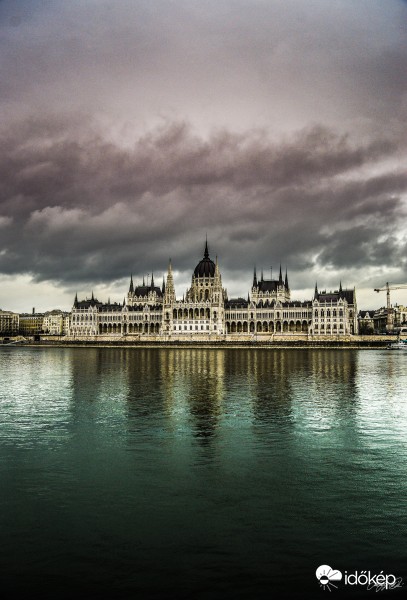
[{"x": 326, "y": 575}]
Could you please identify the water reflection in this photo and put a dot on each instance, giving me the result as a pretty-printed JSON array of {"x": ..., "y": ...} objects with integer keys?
[
  {"x": 196, "y": 391},
  {"x": 184, "y": 386},
  {"x": 98, "y": 393},
  {"x": 34, "y": 397},
  {"x": 169, "y": 460},
  {"x": 199, "y": 392}
]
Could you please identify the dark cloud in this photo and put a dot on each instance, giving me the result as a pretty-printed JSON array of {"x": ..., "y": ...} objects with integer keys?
[{"x": 77, "y": 208}]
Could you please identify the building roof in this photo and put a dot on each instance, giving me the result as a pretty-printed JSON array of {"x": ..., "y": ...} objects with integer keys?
[
  {"x": 348, "y": 295},
  {"x": 236, "y": 303},
  {"x": 110, "y": 307},
  {"x": 267, "y": 285},
  {"x": 270, "y": 285},
  {"x": 142, "y": 291}
]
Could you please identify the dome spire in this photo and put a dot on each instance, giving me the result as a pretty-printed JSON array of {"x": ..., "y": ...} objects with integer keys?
[{"x": 206, "y": 254}]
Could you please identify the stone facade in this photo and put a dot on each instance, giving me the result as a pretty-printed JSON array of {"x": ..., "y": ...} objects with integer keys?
[
  {"x": 56, "y": 322},
  {"x": 206, "y": 313},
  {"x": 31, "y": 323},
  {"x": 9, "y": 323}
]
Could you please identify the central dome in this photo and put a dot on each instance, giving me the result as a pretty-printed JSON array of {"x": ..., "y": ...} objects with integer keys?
[{"x": 206, "y": 266}]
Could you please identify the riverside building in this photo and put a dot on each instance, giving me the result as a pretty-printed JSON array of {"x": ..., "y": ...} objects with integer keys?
[
  {"x": 9, "y": 322},
  {"x": 206, "y": 313}
]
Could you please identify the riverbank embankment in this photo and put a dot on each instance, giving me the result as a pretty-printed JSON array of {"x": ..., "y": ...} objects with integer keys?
[{"x": 259, "y": 341}]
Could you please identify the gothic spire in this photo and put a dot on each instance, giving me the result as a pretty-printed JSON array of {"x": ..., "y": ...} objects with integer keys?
[
  {"x": 262, "y": 275},
  {"x": 75, "y": 302},
  {"x": 152, "y": 280},
  {"x": 163, "y": 286},
  {"x": 131, "y": 288},
  {"x": 340, "y": 287},
  {"x": 280, "y": 278},
  {"x": 316, "y": 291},
  {"x": 254, "y": 278},
  {"x": 169, "y": 288},
  {"x": 286, "y": 279}
]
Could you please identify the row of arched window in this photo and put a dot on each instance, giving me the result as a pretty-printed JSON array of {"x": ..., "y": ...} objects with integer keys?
[
  {"x": 107, "y": 328},
  {"x": 267, "y": 326}
]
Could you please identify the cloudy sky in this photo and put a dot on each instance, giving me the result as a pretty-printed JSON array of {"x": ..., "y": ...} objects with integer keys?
[{"x": 131, "y": 129}]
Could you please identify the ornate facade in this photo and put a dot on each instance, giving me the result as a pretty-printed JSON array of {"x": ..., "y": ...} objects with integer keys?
[{"x": 206, "y": 313}]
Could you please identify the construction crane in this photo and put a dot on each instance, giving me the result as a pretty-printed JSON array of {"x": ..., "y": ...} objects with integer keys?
[{"x": 387, "y": 288}]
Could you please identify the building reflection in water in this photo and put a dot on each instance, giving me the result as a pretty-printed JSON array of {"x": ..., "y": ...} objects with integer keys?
[
  {"x": 192, "y": 382},
  {"x": 194, "y": 392}
]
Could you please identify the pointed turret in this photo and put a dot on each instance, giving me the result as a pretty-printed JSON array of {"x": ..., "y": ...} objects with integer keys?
[
  {"x": 254, "y": 278},
  {"x": 280, "y": 278},
  {"x": 286, "y": 279},
  {"x": 316, "y": 291},
  {"x": 163, "y": 286},
  {"x": 262, "y": 278},
  {"x": 169, "y": 288},
  {"x": 75, "y": 302},
  {"x": 131, "y": 288},
  {"x": 152, "y": 281},
  {"x": 124, "y": 301},
  {"x": 340, "y": 287},
  {"x": 143, "y": 282}
]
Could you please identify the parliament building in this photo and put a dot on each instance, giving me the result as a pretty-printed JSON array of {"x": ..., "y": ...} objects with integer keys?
[{"x": 205, "y": 313}]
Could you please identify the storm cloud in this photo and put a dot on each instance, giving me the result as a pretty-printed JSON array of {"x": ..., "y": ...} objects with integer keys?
[{"x": 106, "y": 211}]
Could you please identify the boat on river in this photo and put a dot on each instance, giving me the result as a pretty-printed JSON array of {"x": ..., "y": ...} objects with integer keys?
[
  {"x": 399, "y": 345},
  {"x": 13, "y": 342}
]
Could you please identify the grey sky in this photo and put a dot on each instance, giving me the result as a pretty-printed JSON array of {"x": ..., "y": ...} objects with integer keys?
[{"x": 131, "y": 129}]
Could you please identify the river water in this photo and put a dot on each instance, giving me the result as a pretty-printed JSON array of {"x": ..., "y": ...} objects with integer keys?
[{"x": 200, "y": 473}]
